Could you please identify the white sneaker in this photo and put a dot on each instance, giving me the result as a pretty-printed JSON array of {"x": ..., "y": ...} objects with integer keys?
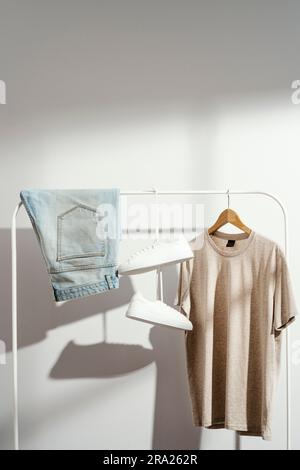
[
  {"x": 157, "y": 313},
  {"x": 160, "y": 253}
]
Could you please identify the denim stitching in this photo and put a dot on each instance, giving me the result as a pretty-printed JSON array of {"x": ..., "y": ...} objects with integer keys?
[
  {"x": 81, "y": 291},
  {"x": 96, "y": 254},
  {"x": 59, "y": 232},
  {"x": 87, "y": 285},
  {"x": 80, "y": 268}
]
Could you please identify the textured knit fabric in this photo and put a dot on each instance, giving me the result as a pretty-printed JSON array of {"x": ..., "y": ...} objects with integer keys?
[{"x": 238, "y": 296}]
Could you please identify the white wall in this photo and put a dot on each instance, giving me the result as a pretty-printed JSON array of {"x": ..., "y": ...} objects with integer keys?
[{"x": 185, "y": 95}]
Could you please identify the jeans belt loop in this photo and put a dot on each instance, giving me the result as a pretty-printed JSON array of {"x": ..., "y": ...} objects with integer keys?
[{"x": 109, "y": 281}]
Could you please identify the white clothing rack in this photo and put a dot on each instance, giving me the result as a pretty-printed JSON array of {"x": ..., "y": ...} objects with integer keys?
[{"x": 139, "y": 193}]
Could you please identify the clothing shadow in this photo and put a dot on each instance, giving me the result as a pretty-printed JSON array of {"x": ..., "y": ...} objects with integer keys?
[
  {"x": 172, "y": 422},
  {"x": 102, "y": 360},
  {"x": 38, "y": 313}
]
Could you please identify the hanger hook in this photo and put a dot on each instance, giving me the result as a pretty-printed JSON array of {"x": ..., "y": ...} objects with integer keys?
[{"x": 228, "y": 198}]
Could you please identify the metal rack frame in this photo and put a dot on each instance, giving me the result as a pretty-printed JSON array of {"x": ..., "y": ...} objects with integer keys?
[{"x": 138, "y": 193}]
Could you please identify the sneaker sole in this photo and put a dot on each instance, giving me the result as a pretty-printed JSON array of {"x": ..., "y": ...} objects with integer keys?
[{"x": 150, "y": 322}]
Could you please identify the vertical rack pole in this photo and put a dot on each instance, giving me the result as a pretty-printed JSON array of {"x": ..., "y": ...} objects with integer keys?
[
  {"x": 159, "y": 276},
  {"x": 15, "y": 325},
  {"x": 288, "y": 347},
  {"x": 287, "y": 337},
  {"x": 237, "y": 435}
]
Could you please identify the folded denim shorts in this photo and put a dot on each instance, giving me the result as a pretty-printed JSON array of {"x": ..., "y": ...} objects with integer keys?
[{"x": 78, "y": 232}]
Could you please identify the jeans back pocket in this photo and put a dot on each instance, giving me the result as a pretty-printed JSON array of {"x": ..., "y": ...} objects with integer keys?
[{"x": 77, "y": 234}]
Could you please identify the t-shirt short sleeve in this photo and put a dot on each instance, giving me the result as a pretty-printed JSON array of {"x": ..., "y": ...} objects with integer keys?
[
  {"x": 284, "y": 302},
  {"x": 183, "y": 295}
]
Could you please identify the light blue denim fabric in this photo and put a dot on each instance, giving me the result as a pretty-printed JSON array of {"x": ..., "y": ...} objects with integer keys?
[{"x": 79, "y": 233}]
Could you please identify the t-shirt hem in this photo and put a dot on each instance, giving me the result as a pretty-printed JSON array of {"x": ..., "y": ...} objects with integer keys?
[{"x": 242, "y": 429}]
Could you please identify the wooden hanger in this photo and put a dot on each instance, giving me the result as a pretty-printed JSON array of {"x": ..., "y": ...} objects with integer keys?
[{"x": 229, "y": 216}]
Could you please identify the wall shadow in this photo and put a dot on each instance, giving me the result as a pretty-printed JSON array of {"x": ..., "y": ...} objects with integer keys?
[
  {"x": 37, "y": 311},
  {"x": 102, "y": 360},
  {"x": 173, "y": 428},
  {"x": 38, "y": 314}
]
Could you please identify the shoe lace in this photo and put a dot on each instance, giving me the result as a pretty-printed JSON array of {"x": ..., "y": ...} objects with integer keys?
[{"x": 142, "y": 251}]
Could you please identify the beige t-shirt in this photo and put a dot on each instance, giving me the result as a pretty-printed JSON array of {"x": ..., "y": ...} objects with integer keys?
[{"x": 238, "y": 296}]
